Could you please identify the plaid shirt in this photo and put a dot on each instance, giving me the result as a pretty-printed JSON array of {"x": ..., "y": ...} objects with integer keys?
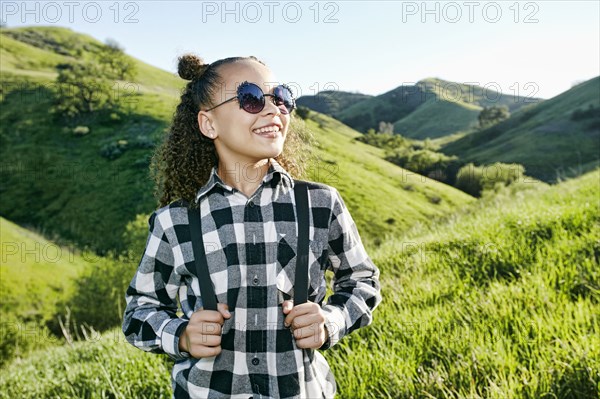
[{"x": 250, "y": 247}]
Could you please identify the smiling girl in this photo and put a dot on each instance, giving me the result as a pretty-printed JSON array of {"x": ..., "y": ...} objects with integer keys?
[{"x": 225, "y": 157}]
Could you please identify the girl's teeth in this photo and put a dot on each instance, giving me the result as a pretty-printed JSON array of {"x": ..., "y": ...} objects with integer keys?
[{"x": 267, "y": 129}]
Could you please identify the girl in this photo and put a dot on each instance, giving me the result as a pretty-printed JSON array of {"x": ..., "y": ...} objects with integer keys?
[{"x": 225, "y": 156}]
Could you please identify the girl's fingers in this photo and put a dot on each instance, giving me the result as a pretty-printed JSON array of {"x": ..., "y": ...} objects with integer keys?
[
  {"x": 205, "y": 328},
  {"x": 206, "y": 351},
  {"x": 313, "y": 341},
  {"x": 306, "y": 320},
  {"x": 205, "y": 340},
  {"x": 287, "y": 306},
  {"x": 305, "y": 308},
  {"x": 224, "y": 310}
]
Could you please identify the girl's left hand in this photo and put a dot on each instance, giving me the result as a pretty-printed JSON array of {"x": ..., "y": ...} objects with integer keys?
[{"x": 307, "y": 322}]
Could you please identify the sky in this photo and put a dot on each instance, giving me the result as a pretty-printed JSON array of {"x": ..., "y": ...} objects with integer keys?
[{"x": 529, "y": 48}]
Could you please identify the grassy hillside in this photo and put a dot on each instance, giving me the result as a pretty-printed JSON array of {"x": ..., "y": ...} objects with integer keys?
[
  {"x": 331, "y": 102},
  {"x": 61, "y": 182},
  {"x": 387, "y": 107},
  {"x": 452, "y": 107},
  {"x": 544, "y": 137},
  {"x": 425, "y": 120},
  {"x": 386, "y": 198},
  {"x": 430, "y": 108},
  {"x": 34, "y": 272},
  {"x": 35, "y": 276},
  {"x": 499, "y": 301},
  {"x": 104, "y": 367},
  {"x": 37, "y": 51}
]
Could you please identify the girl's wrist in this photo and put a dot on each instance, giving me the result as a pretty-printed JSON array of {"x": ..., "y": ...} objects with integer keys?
[{"x": 184, "y": 342}]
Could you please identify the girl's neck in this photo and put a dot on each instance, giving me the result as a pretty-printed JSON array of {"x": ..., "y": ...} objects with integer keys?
[{"x": 244, "y": 177}]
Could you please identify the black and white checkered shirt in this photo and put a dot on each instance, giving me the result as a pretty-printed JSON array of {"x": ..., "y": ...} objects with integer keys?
[{"x": 250, "y": 245}]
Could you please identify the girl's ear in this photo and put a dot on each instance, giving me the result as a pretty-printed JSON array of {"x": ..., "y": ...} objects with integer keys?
[{"x": 205, "y": 123}]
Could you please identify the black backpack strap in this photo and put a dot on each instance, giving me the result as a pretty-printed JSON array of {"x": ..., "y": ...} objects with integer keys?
[
  {"x": 207, "y": 291},
  {"x": 301, "y": 278}
]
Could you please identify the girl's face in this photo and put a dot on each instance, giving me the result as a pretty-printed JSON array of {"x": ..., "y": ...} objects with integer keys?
[{"x": 236, "y": 133}]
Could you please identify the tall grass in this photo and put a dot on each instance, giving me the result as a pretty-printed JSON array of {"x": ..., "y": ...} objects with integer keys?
[
  {"x": 499, "y": 302},
  {"x": 104, "y": 367}
]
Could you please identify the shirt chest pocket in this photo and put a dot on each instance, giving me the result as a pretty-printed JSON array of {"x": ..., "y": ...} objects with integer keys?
[{"x": 286, "y": 269}]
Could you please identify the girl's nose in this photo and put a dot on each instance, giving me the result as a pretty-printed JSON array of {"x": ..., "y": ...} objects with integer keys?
[{"x": 270, "y": 107}]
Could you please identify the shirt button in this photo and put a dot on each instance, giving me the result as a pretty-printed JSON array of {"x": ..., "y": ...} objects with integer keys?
[
  {"x": 255, "y": 361},
  {"x": 255, "y": 280},
  {"x": 251, "y": 204}
]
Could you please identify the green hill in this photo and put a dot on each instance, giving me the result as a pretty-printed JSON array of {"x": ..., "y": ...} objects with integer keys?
[
  {"x": 387, "y": 107},
  {"x": 425, "y": 121},
  {"x": 37, "y": 51},
  {"x": 430, "y": 108},
  {"x": 35, "y": 276},
  {"x": 555, "y": 138},
  {"x": 500, "y": 301},
  {"x": 452, "y": 107},
  {"x": 331, "y": 102},
  {"x": 35, "y": 273}
]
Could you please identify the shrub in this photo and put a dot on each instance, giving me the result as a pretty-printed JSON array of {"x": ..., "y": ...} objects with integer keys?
[
  {"x": 302, "y": 112},
  {"x": 476, "y": 179},
  {"x": 424, "y": 161},
  {"x": 19, "y": 337},
  {"x": 490, "y": 116},
  {"x": 384, "y": 140},
  {"x": 81, "y": 130},
  {"x": 99, "y": 300}
]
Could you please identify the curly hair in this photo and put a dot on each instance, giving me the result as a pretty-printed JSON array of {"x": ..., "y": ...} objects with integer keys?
[{"x": 182, "y": 163}]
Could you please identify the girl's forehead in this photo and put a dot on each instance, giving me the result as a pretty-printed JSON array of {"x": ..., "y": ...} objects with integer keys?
[{"x": 250, "y": 71}]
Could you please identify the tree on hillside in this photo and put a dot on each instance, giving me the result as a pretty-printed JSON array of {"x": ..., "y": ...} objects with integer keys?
[
  {"x": 116, "y": 64},
  {"x": 82, "y": 88},
  {"x": 490, "y": 116},
  {"x": 423, "y": 161},
  {"x": 87, "y": 86}
]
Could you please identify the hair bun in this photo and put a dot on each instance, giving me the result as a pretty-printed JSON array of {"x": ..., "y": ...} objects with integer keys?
[{"x": 191, "y": 66}]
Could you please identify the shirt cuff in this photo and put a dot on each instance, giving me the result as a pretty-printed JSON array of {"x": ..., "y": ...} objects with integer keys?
[
  {"x": 335, "y": 323},
  {"x": 170, "y": 338}
]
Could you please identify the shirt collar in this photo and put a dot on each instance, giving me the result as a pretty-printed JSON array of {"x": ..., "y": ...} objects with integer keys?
[{"x": 274, "y": 168}]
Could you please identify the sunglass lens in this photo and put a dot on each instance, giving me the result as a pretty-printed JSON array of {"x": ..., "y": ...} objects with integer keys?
[
  {"x": 284, "y": 97},
  {"x": 251, "y": 98}
]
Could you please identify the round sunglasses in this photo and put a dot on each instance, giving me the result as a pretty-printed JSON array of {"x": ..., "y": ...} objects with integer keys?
[{"x": 252, "y": 99}]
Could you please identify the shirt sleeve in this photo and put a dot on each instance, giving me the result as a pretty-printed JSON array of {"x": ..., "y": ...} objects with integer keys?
[
  {"x": 356, "y": 287},
  {"x": 150, "y": 321}
]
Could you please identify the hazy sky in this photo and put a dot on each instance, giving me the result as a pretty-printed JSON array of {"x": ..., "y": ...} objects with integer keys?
[{"x": 533, "y": 48}]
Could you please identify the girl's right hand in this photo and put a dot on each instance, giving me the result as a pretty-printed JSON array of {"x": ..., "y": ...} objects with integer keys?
[{"x": 202, "y": 336}]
